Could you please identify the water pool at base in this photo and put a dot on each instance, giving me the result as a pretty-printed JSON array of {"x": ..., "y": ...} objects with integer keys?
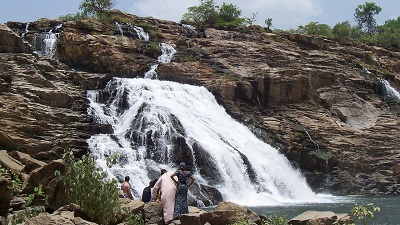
[{"x": 389, "y": 205}]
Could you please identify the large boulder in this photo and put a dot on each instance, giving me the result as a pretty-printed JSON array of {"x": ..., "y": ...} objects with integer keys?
[
  {"x": 8, "y": 162},
  {"x": 193, "y": 217},
  {"x": 65, "y": 215},
  {"x": 227, "y": 213},
  {"x": 153, "y": 213},
  {"x": 319, "y": 217},
  {"x": 29, "y": 162},
  {"x": 131, "y": 207},
  {"x": 46, "y": 176},
  {"x": 43, "y": 176}
]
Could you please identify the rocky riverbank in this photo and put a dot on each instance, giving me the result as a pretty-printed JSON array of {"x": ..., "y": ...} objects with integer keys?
[{"x": 57, "y": 210}]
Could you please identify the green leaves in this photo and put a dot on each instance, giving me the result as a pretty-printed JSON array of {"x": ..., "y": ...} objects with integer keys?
[
  {"x": 364, "y": 213},
  {"x": 96, "y": 7},
  {"x": 208, "y": 13},
  {"x": 88, "y": 186},
  {"x": 315, "y": 28},
  {"x": 365, "y": 17}
]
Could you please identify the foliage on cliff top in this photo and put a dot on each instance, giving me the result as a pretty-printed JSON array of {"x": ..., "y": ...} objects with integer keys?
[{"x": 209, "y": 14}]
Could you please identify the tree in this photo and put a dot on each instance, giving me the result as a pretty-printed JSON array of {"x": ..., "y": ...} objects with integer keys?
[
  {"x": 315, "y": 28},
  {"x": 229, "y": 12},
  {"x": 365, "y": 17},
  {"x": 268, "y": 22},
  {"x": 96, "y": 7},
  {"x": 346, "y": 30},
  {"x": 389, "y": 33},
  {"x": 206, "y": 13}
]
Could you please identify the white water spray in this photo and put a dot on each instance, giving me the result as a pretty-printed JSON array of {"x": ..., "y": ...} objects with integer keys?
[
  {"x": 141, "y": 33},
  {"x": 157, "y": 113},
  {"x": 25, "y": 31},
  {"x": 151, "y": 74},
  {"x": 119, "y": 29},
  {"x": 390, "y": 91},
  {"x": 167, "y": 52},
  {"x": 45, "y": 44}
]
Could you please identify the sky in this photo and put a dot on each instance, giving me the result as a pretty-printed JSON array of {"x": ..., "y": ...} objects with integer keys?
[{"x": 285, "y": 14}]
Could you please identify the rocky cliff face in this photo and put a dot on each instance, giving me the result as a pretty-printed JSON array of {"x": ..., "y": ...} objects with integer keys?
[{"x": 320, "y": 101}]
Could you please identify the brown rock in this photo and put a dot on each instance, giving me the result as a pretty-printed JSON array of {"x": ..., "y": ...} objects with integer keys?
[
  {"x": 65, "y": 215},
  {"x": 130, "y": 207},
  {"x": 294, "y": 81},
  {"x": 6, "y": 195},
  {"x": 193, "y": 218},
  {"x": 227, "y": 213},
  {"x": 11, "y": 43},
  {"x": 314, "y": 218},
  {"x": 43, "y": 176},
  {"x": 153, "y": 213},
  {"x": 28, "y": 162},
  {"x": 8, "y": 162},
  {"x": 396, "y": 170}
]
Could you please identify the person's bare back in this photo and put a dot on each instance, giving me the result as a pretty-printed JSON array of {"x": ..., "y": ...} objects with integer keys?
[{"x": 126, "y": 188}]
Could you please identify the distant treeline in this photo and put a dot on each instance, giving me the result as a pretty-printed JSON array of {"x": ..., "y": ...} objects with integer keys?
[{"x": 229, "y": 16}]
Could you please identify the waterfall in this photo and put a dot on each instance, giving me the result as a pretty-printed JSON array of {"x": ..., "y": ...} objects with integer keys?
[
  {"x": 45, "y": 44},
  {"x": 119, "y": 29},
  {"x": 132, "y": 31},
  {"x": 25, "y": 31},
  {"x": 167, "y": 52},
  {"x": 151, "y": 74},
  {"x": 156, "y": 124},
  {"x": 140, "y": 33},
  {"x": 187, "y": 26},
  {"x": 389, "y": 91}
]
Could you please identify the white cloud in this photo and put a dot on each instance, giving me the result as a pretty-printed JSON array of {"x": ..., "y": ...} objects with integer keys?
[
  {"x": 162, "y": 9},
  {"x": 285, "y": 13}
]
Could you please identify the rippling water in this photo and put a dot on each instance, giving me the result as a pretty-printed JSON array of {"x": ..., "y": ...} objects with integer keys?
[{"x": 389, "y": 214}]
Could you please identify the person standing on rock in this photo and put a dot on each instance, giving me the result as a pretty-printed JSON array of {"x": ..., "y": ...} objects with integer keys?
[
  {"x": 126, "y": 188},
  {"x": 181, "y": 201},
  {"x": 168, "y": 189}
]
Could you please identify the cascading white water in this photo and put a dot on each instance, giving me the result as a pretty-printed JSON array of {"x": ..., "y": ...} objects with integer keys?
[
  {"x": 390, "y": 91},
  {"x": 45, "y": 44},
  {"x": 140, "y": 32},
  {"x": 151, "y": 74},
  {"x": 148, "y": 116},
  {"x": 25, "y": 31},
  {"x": 119, "y": 29},
  {"x": 167, "y": 52}
]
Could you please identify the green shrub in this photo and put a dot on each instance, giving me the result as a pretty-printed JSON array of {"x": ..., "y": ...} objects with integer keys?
[
  {"x": 87, "y": 185},
  {"x": 73, "y": 17},
  {"x": 243, "y": 222},
  {"x": 276, "y": 220},
  {"x": 364, "y": 213},
  {"x": 209, "y": 14},
  {"x": 29, "y": 212}
]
